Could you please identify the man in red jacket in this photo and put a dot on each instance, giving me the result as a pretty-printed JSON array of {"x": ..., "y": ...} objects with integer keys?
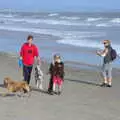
[{"x": 27, "y": 54}]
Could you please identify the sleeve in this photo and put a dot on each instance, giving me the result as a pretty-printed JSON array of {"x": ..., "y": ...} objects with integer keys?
[
  {"x": 22, "y": 51},
  {"x": 36, "y": 53},
  {"x": 62, "y": 71}
]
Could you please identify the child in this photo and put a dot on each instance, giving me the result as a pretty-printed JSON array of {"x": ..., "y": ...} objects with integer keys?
[
  {"x": 57, "y": 74},
  {"x": 38, "y": 76}
]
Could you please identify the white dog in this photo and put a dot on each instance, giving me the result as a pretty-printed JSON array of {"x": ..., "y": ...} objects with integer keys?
[{"x": 38, "y": 77}]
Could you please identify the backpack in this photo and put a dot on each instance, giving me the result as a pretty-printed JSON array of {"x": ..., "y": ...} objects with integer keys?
[{"x": 113, "y": 54}]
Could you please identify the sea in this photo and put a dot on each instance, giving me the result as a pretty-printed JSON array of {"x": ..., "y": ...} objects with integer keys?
[{"x": 76, "y": 36}]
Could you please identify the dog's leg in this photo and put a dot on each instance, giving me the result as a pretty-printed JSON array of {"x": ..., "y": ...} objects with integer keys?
[
  {"x": 37, "y": 84},
  {"x": 41, "y": 85},
  {"x": 18, "y": 94},
  {"x": 29, "y": 94}
]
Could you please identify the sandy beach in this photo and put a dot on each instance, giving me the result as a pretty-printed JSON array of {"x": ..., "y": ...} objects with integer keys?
[{"x": 81, "y": 99}]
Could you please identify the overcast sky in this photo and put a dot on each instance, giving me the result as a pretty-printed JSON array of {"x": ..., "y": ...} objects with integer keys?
[{"x": 61, "y": 5}]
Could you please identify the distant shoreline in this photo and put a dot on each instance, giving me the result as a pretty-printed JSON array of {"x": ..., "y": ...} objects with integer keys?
[{"x": 61, "y": 11}]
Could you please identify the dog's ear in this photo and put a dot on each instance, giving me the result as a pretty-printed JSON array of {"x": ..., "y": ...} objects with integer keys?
[
  {"x": 5, "y": 82},
  {"x": 7, "y": 78}
]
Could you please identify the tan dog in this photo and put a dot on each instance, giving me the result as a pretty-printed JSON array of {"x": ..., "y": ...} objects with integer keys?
[{"x": 15, "y": 86}]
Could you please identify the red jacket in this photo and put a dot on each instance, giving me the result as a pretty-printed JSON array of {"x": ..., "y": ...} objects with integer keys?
[{"x": 28, "y": 53}]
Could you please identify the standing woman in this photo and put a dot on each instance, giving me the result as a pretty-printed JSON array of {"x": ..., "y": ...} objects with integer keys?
[
  {"x": 27, "y": 55},
  {"x": 109, "y": 55}
]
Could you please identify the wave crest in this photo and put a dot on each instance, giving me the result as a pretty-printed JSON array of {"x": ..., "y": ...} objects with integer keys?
[{"x": 115, "y": 20}]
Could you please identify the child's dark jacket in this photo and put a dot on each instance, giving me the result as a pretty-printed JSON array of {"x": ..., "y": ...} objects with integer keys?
[{"x": 57, "y": 69}]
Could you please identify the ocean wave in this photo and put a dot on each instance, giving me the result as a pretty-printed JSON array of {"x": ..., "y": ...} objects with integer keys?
[
  {"x": 81, "y": 39},
  {"x": 48, "y": 21},
  {"x": 84, "y": 43},
  {"x": 70, "y": 18},
  {"x": 6, "y": 16},
  {"x": 25, "y": 20},
  {"x": 59, "y": 22},
  {"x": 115, "y": 20},
  {"x": 81, "y": 43},
  {"x": 53, "y": 14},
  {"x": 62, "y": 20},
  {"x": 102, "y": 25},
  {"x": 93, "y": 19},
  {"x": 34, "y": 30},
  {"x": 64, "y": 34},
  {"x": 74, "y": 38}
]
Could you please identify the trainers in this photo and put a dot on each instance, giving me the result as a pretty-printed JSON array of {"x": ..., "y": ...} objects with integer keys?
[
  {"x": 103, "y": 85},
  {"x": 51, "y": 93},
  {"x": 59, "y": 93},
  {"x": 109, "y": 86}
]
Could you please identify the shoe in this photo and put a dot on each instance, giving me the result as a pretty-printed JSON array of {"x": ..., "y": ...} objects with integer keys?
[
  {"x": 103, "y": 85},
  {"x": 59, "y": 93},
  {"x": 55, "y": 93},
  {"x": 109, "y": 86},
  {"x": 51, "y": 93}
]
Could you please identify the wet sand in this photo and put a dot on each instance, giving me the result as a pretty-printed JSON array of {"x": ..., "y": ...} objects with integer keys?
[{"x": 81, "y": 99}]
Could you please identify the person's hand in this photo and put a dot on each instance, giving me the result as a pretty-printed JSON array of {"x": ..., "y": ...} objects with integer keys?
[
  {"x": 20, "y": 58},
  {"x": 98, "y": 52},
  {"x": 38, "y": 61}
]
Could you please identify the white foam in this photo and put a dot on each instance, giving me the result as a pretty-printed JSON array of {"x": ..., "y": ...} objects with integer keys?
[
  {"x": 6, "y": 16},
  {"x": 21, "y": 29},
  {"x": 53, "y": 14},
  {"x": 102, "y": 25},
  {"x": 48, "y": 21},
  {"x": 80, "y": 43},
  {"x": 63, "y": 34},
  {"x": 63, "y": 22},
  {"x": 34, "y": 30},
  {"x": 93, "y": 19},
  {"x": 115, "y": 20},
  {"x": 70, "y": 18},
  {"x": 23, "y": 20},
  {"x": 74, "y": 38},
  {"x": 82, "y": 39},
  {"x": 87, "y": 43}
]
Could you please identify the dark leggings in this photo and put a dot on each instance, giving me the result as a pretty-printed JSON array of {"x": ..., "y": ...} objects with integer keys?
[
  {"x": 27, "y": 73},
  {"x": 50, "y": 88}
]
